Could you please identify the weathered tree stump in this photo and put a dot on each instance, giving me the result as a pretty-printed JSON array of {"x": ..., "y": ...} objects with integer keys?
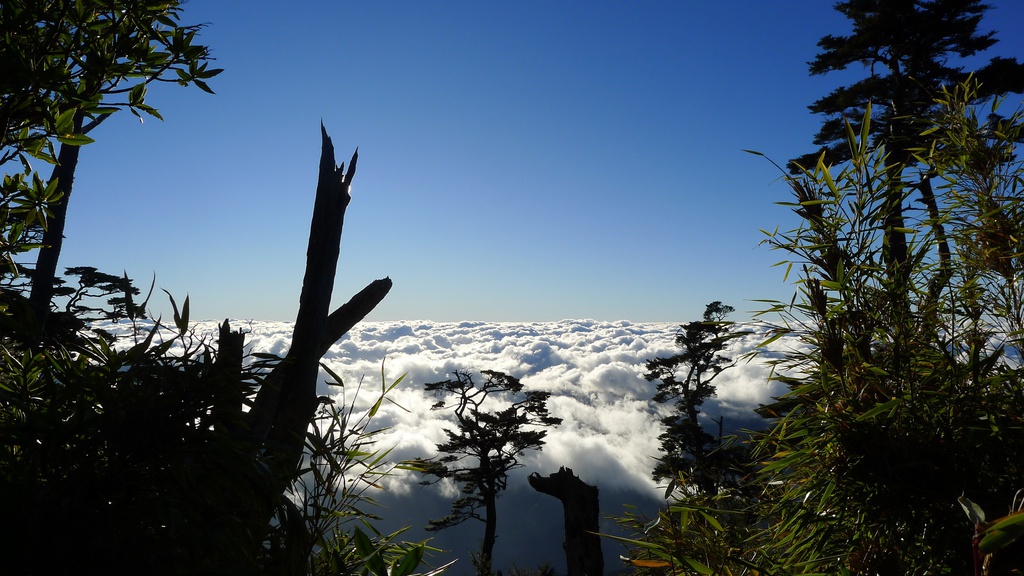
[{"x": 581, "y": 509}]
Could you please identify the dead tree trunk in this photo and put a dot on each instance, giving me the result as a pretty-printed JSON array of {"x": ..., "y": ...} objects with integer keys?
[
  {"x": 581, "y": 509},
  {"x": 286, "y": 403},
  {"x": 227, "y": 377},
  {"x": 287, "y": 400}
]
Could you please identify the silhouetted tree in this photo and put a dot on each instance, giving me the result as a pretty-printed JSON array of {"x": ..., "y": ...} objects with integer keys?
[
  {"x": 910, "y": 49},
  {"x": 686, "y": 378},
  {"x": 893, "y": 412},
  {"x": 497, "y": 423},
  {"x": 84, "y": 295}
]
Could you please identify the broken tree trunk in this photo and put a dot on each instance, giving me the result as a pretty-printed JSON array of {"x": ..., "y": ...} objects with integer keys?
[
  {"x": 581, "y": 509},
  {"x": 287, "y": 400},
  {"x": 227, "y": 377}
]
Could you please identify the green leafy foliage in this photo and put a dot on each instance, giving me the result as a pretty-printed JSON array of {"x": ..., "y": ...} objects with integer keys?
[
  {"x": 65, "y": 58},
  {"x": 140, "y": 457},
  {"x": 111, "y": 456},
  {"x": 698, "y": 533},
  {"x": 904, "y": 403},
  {"x": 68, "y": 65},
  {"x": 24, "y": 202},
  {"x": 909, "y": 394},
  {"x": 998, "y": 545},
  {"x": 135, "y": 459}
]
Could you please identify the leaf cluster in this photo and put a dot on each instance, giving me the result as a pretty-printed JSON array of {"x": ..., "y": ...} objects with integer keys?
[
  {"x": 908, "y": 395},
  {"x": 89, "y": 57},
  {"x": 114, "y": 456},
  {"x": 138, "y": 457},
  {"x": 24, "y": 206},
  {"x": 697, "y": 533},
  {"x": 331, "y": 495},
  {"x": 65, "y": 67}
]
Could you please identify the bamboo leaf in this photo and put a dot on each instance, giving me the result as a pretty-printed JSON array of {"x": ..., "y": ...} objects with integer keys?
[
  {"x": 650, "y": 563},
  {"x": 974, "y": 512},
  {"x": 712, "y": 520},
  {"x": 408, "y": 562},
  {"x": 698, "y": 566}
]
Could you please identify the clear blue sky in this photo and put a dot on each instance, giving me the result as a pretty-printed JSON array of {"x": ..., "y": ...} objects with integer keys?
[{"x": 518, "y": 161}]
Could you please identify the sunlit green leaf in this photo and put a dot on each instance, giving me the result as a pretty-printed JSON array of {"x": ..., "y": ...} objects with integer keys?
[{"x": 75, "y": 139}]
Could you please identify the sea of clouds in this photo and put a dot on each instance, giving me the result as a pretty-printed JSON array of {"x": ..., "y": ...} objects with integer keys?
[{"x": 594, "y": 372}]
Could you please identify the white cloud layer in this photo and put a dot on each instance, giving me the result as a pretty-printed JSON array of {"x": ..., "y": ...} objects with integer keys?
[{"x": 594, "y": 372}]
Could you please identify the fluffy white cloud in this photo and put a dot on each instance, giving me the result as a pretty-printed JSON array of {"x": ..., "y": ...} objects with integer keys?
[{"x": 594, "y": 371}]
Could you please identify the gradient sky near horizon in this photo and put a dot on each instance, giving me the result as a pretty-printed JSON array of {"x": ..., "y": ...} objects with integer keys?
[{"x": 523, "y": 161}]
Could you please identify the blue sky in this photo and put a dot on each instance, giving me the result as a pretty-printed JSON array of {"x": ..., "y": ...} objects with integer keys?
[{"x": 521, "y": 161}]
